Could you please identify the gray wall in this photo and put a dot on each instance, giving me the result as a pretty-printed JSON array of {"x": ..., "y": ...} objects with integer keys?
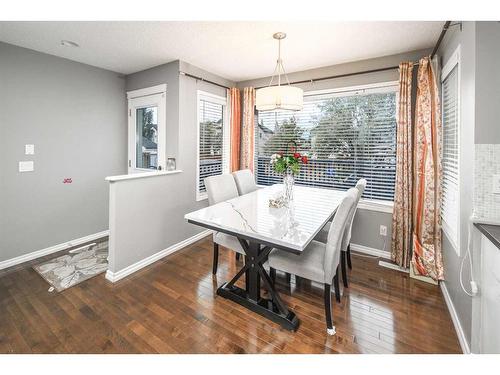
[
  {"x": 480, "y": 113},
  {"x": 366, "y": 227},
  {"x": 487, "y": 127},
  {"x": 149, "y": 223},
  {"x": 161, "y": 221},
  {"x": 75, "y": 115}
]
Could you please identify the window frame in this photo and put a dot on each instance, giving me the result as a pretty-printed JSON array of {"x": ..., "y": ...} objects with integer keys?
[
  {"x": 221, "y": 100},
  {"x": 154, "y": 95},
  {"x": 451, "y": 63},
  {"x": 378, "y": 87}
]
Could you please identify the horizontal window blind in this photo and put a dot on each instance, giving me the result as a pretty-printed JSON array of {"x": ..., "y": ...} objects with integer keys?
[
  {"x": 211, "y": 117},
  {"x": 449, "y": 205},
  {"x": 347, "y": 136}
]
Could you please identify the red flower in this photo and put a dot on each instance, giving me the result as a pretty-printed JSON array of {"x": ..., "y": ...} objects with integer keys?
[
  {"x": 296, "y": 155},
  {"x": 304, "y": 159}
]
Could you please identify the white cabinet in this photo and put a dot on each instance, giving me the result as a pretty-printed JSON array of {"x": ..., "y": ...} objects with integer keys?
[{"x": 486, "y": 308}]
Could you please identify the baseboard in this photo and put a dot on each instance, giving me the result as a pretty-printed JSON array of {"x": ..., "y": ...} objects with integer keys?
[
  {"x": 393, "y": 266},
  {"x": 52, "y": 249},
  {"x": 454, "y": 317},
  {"x": 115, "y": 276},
  {"x": 370, "y": 251}
]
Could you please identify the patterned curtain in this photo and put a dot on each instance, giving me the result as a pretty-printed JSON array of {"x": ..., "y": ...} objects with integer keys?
[
  {"x": 234, "y": 105},
  {"x": 403, "y": 195},
  {"x": 427, "y": 257},
  {"x": 248, "y": 127}
]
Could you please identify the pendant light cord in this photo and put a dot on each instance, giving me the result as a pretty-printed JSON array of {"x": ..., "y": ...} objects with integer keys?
[{"x": 280, "y": 69}]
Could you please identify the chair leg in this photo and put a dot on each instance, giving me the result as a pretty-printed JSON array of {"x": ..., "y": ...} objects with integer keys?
[
  {"x": 337, "y": 286},
  {"x": 237, "y": 256},
  {"x": 330, "y": 329},
  {"x": 343, "y": 267},
  {"x": 288, "y": 278},
  {"x": 349, "y": 264},
  {"x": 216, "y": 258},
  {"x": 272, "y": 274}
]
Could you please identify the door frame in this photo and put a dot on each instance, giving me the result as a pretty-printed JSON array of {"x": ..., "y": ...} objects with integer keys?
[{"x": 149, "y": 96}]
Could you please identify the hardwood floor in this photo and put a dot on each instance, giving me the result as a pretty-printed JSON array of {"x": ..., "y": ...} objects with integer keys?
[{"x": 171, "y": 307}]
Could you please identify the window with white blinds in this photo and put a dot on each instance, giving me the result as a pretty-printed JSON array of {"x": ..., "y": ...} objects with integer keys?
[
  {"x": 213, "y": 139},
  {"x": 450, "y": 209},
  {"x": 348, "y": 135}
]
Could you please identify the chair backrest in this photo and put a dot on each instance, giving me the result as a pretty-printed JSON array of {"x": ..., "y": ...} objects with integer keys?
[
  {"x": 220, "y": 188},
  {"x": 245, "y": 181},
  {"x": 360, "y": 187},
  {"x": 336, "y": 233}
]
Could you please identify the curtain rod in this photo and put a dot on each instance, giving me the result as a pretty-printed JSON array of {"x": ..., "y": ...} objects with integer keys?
[
  {"x": 202, "y": 79},
  {"x": 446, "y": 26}
]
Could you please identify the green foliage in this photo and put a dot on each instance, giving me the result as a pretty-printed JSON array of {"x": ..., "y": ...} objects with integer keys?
[
  {"x": 148, "y": 128},
  {"x": 350, "y": 131},
  {"x": 211, "y": 139}
]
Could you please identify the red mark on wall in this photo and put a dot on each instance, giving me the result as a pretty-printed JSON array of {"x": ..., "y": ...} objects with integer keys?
[{"x": 67, "y": 181}]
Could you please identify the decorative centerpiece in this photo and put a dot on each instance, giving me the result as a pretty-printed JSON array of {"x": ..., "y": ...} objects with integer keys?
[{"x": 288, "y": 164}]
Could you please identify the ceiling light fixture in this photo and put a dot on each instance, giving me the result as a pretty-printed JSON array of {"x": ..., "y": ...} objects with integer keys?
[
  {"x": 286, "y": 97},
  {"x": 69, "y": 43}
]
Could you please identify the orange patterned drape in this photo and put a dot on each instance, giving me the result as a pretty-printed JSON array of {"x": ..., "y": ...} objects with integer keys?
[
  {"x": 403, "y": 195},
  {"x": 248, "y": 128},
  {"x": 234, "y": 105},
  {"x": 427, "y": 257}
]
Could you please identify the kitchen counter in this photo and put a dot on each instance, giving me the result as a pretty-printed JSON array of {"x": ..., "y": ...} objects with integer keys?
[{"x": 490, "y": 231}]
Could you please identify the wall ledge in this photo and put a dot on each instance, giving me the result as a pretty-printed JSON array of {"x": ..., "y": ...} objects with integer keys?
[{"x": 135, "y": 176}]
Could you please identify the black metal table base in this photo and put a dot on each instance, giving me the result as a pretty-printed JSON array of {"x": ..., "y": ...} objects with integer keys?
[
  {"x": 264, "y": 306},
  {"x": 272, "y": 308}
]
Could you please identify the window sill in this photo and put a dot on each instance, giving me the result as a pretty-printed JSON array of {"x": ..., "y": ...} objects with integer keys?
[
  {"x": 201, "y": 197},
  {"x": 376, "y": 205}
]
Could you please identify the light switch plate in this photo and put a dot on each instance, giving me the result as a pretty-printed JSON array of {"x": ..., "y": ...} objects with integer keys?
[
  {"x": 29, "y": 149},
  {"x": 26, "y": 166},
  {"x": 496, "y": 184}
]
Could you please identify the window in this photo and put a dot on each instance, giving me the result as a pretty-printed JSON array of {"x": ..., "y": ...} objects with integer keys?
[
  {"x": 450, "y": 209},
  {"x": 348, "y": 134},
  {"x": 213, "y": 139},
  {"x": 146, "y": 129}
]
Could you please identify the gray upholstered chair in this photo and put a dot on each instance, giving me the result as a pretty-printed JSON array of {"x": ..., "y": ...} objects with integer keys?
[
  {"x": 319, "y": 261},
  {"x": 245, "y": 181},
  {"x": 221, "y": 188},
  {"x": 345, "y": 256}
]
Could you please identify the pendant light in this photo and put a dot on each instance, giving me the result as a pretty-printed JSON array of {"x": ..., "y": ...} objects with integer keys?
[{"x": 285, "y": 97}]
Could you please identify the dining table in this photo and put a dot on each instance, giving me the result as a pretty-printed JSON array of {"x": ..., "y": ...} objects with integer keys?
[{"x": 261, "y": 227}]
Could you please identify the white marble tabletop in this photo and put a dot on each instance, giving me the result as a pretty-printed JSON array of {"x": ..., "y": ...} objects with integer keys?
[{"x": 290, "y": 228}]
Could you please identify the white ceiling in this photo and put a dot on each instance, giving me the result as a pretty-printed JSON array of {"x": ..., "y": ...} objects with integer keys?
[{"x": 235, "y": 50}]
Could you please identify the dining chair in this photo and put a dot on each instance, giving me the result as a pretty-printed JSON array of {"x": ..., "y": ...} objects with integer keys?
[
  {"x": 222, "y": 188},
  {"x": 245, "y": 181},
  {"x": 345, "y": 256},
  {"x": 319, "y": 261}
]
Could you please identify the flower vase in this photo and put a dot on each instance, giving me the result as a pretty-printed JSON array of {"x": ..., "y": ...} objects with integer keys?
[{"x": 288, "y": 182}]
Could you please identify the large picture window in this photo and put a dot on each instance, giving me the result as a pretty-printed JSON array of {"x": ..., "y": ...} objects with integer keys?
[
  {"x": 213, "y": 139},
  {"x": 348, "y": 134}
]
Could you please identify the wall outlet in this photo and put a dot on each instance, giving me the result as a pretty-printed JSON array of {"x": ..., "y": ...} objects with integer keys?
[{"x": 383, "y": 230}]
